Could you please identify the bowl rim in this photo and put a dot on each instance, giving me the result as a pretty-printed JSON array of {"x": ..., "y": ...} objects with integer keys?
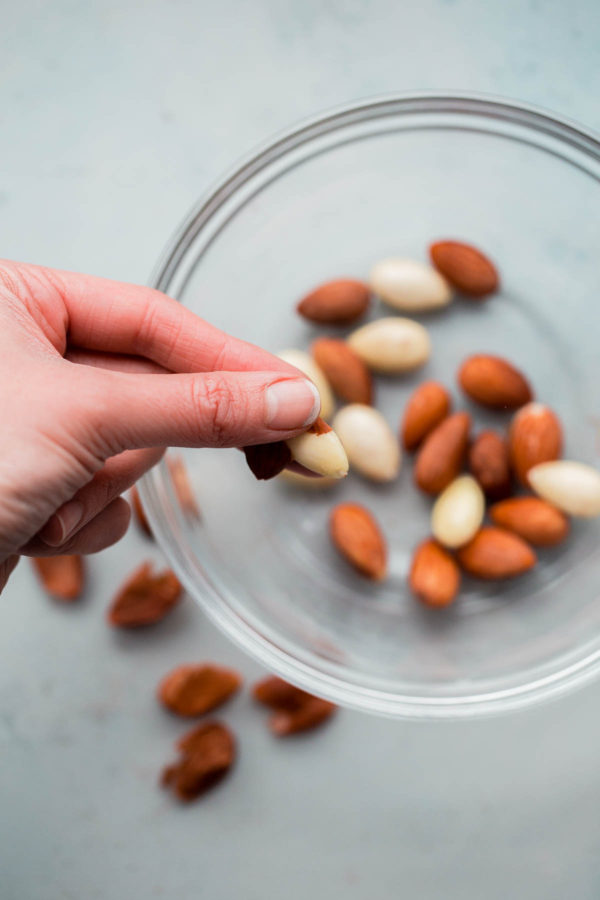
[{"x": 227, "y": 620}]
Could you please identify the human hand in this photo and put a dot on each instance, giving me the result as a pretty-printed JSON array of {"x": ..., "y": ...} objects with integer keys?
[{"x": 96, "y": 378}]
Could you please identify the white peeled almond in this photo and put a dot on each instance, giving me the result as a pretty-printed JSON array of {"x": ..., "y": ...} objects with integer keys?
[
  {"x": 321, "y": 452},
  {"x": 409, "y": 285},
  {"x": 572, "y": 486},
  {"x": 391, "y": 345},
  {"x": 306, "y": 482},
  {"x": 308, "y": 366},
  {"x": 458, "y": 512},
  {"x": 370, "y": 443}
]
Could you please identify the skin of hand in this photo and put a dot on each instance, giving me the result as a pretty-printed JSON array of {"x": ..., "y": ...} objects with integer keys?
[{"x": 96, "y": 379}]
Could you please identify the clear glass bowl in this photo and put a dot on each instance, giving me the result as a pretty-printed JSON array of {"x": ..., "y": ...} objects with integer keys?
[{"x": 328, "y": 199}]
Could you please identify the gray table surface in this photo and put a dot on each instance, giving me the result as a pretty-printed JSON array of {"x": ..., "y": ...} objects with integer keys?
[{"x": 115, "y": 116}]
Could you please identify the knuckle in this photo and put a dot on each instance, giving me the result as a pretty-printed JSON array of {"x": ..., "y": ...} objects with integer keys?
[{"x": 218, "y": 409}]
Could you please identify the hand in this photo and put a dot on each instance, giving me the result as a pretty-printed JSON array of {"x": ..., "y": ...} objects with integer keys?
[{"x": 96, "y": 378}]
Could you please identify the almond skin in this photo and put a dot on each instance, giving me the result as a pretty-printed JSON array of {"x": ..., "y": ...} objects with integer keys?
[
  {"x": 535, "y": 437},
  {"x": 441, "y": 457},
  {"x": 358, "y": 537},
  {"x": 489, "y": 464},
  {"x": 63, "y": 577},
  {"x": 496, "y": 553},
  {"x": 336, "y": 302},
  {"x": 345, "y": 371},
  {"x": 536, "y": 521},
  {"x": 193, "y": 690},
  {"x": 494, "y": 382},
  {"x": 465, "y": 267},
  {"x": 426, "y": 407},
  {"x": 434, "y": 576}
]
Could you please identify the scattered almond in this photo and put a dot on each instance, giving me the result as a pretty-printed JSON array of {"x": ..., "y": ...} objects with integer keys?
[
  {"x": 409, "y": 285},
  {"x": 426, "y": 407},
  {"x": 489, "y": 464},
  {"x": 336, "y": 302},
  {"x": 344, "y": 369},
  {"x": 319, "y": 449},
  {"x": 359, "y": 539},
  {"x": 145, "y": 598},
  {"x": 535, "y": 520},
  {"x": 392, "y": 345},
  {"x": 458, "y": 512},
  {"x": 465, "y": 267},
  {"x": 193, "y": 690},
  {"x": 369, "y": 442},
  {"x": 434, "y": 576},
  {"x": 309, "y": 367},
  {"x": 493, "y": 381},
  {"x": 63, "y": 577},
  {"x": 294, "y": 709},
  {"x": 573, "y": 487},
  {"x": 442, "y": 454},
  {"x": 535, "y": 437},
  {"x": 496, "y": 553},
  {"x": 207, "y": 754}
]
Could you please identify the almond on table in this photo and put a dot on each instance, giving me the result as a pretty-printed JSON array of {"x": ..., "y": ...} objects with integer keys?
[
  {"x": 344, "y": 369},
  {"x": 434, "y": 576},
  {"x": 336, "y": 302},
  {"x": 489, "y": 464},
  {"x": 533, "y": 519},
  {"x": 535, "y": 437},
  {"x": 392, "y": 345},
  {"x": 495, "y": 553},
  {"x": 573, "y": 487},
  {"x": 467, "y": 269},
  {"x": 369, "y": 442},
  {"x": 409, "y": 285},
  {"x": 359, "y": 539},
  {"x": 427, "y": 406},
  {"x": 442, "y": 453},
  {"x": 494, "y": 382},
  {"x": 458, "y": 512}
]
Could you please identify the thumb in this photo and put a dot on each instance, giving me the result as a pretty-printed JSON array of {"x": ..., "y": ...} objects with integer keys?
[{"x": 205, "y": 409}]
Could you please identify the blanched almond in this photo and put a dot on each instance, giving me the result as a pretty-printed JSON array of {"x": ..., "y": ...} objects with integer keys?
[
  {"x": 369, "y": 442},
  {"x": 320, "y": 450},
  {"x": 458, "y": 512},
  {"x": 409, "y": 285},
  {"x": 309, "y": 367},
  {"x": 572, "y": 486},
  {"x": 392, "y": 345}
]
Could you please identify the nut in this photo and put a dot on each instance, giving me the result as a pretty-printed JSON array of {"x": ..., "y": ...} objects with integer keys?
[
  {"x": 267, "y": 460},
  {"x": 392, "y": 345},
  {"x": 488, "y": 462},
  {"x": 434, "y": 576},
  {"x": 319, "y": 450},
  {"x": 535, "y": 437},
  {"x": 409, "y": 285},
  {"x": 344, "y": 369},
  {"x": 369, "y": 442},
  {"x": 359, "y": 539},
  {"x": 427, "y": 406},
  {"x": 465, "y": 267},
  {"x": 336, "y": 302},
  {"x": 207, "y": 754},
  {"x": 534, "y": 520},
  {"x": 458, "y": 512},
  {"x": 496, "y": 553},
  {"x": 294, "y": 709},
  {"x": 442, "y": 454},
  {"x": 145, "y": 598},
  {"x": 307, "y": 482},
  {"x": 63, "y": 577},
  {"x": 573, "y": 487},
  {"x": 493, "y": 381},
  {"x": 309, "y": 367},
  {"x": 193, "y": 690}
]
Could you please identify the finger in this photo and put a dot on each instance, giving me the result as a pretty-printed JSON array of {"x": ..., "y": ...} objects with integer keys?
[
  {"x": 114, "y": 412},
  {"x": 116, "y": 362},
  {"x": 103, "y": 531},
  {"x": 117, "y": 475}
]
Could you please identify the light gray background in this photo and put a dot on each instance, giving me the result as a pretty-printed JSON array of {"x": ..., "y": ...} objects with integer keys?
[{"x": 115, "y": 117}]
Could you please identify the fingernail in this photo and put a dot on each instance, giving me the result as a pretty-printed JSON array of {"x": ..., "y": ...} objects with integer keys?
[
  {"x": 292, "y": 404},
  {"x": 62, "y": 524}
]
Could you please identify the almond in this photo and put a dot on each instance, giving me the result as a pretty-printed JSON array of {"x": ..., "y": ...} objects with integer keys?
[
  {"x": 434, "y": 576},
  {"x": 344, "y": 369},
  {"x": 267, "y": 460},
  {"x": 307, "y": 482},
  {"x": 533, "y": 519},
  {"x": 369, "y": 442},
  {"x": 409, "y": 285},
  {"x": 426, "y": 407},
  {"x": 294, "y": 709},
  {"x": 358, "y": 537},
  {"x": 207, "y": 754},
  {"x": 308, "y": 366},
  {"x": 195, "y": 689},
  {"x": 465, "y": 267},
  {"x": 458, "y": 512},
  {"x": 336, "y": 302},
  {"x": 319, "y": 449},
  {"x": 63, "y": 577},
  {"x": 392, "y": 345},
  {"x": 442, "y": 454},
  {"x": 488, "y": 462},
  {"x": 572, "y": 486},
  {"x": 494, "y": 382},
  {"x": 496, "y": 553},
  {"x": 535, "y": 437}
]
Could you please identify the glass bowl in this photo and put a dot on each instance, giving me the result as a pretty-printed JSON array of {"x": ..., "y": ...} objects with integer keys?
[{"x": 326, "y": 200}]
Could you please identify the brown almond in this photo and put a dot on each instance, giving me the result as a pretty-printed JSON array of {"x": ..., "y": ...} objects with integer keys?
[
  {"x": 195, "y": 689},
  {"x": 359, "y": 539},
  {"x": 63, "y": 577},
  {"x": 488, "y": 463},
  {"x": 207, "y": 754},
  {"x": 442, "y": 454},
  {"x": 494, "y": 382},
  {"x": 496, "y": 553},
  {"x": 426, "y": 407},
  {"x": 336, "y": 302},
  {"x": 344, "y": 369},
  {"x": 145, "y": 598},
  {"x": 535, "y": 436},
  {"x": 294, "y": 709},
  {"x": 465, "y": 267},
  {"x": 434, "y": 576},
  {"x": 533, "y": 519}
]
